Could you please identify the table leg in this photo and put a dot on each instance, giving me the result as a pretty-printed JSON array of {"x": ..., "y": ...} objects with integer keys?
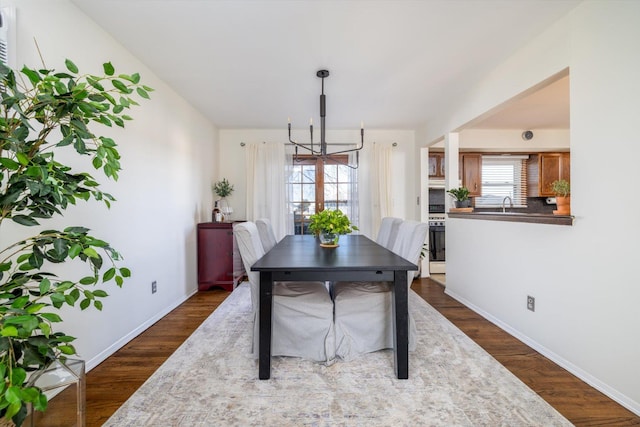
[
  {"x": 401, "y": 324},
  {"x": 266, "y": 305}
]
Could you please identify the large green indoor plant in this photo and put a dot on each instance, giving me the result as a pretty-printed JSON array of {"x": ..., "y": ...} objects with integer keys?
[
  {"x": 43, "y": 112},
  {"x": 329, "y": 225}
]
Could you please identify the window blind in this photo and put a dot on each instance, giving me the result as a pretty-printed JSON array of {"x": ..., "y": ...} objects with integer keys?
[{"x": 503, "y": 176}]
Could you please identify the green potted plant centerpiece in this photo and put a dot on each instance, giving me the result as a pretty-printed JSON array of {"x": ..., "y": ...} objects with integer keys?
[
  {"x": 461, "y": 196},
  {"x": 328, "y": 225},
  {"x": 45, "y": 116},
  {"x": 562, "y": 189}
]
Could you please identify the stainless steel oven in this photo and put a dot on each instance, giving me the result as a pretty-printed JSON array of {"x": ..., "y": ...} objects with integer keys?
[
  {"x": 436, "y": 241},
  {"x": 437, "y": 248}
]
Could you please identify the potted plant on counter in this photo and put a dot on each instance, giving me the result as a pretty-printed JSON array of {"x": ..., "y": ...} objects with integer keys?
[
  {"x": 461, "y": 195},
  {"x": 328, "y": 225},
  {"x": 562, "y": 189}
]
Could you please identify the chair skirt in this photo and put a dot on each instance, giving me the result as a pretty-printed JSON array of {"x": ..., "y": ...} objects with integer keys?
[
  {"x": 363, "y": 319},
  {"x": 302, "y": 322}
]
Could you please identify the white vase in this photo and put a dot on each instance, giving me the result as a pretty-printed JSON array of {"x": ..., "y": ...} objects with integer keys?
[{"x": 225, "y": 209}]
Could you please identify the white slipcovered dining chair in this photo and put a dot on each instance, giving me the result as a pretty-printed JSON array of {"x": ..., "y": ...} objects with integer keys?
[
  {"x": 363, "y": 311},
  {"x": 267, "y": 235},
  {"x": 388, "y": 231},
  {"x": 302, "y": 315}
]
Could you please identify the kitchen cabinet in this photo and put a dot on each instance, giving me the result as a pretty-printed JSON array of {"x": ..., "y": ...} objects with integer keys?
[
  {"x": 219, "y": 261},
  {"x": 543, "y": 169},
  {"x": 471, "y": 173},
  {"x": 436, "y": 165}
]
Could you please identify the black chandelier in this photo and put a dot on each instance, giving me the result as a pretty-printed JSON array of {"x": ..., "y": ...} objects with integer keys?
[{"x": 322, "y": 152}]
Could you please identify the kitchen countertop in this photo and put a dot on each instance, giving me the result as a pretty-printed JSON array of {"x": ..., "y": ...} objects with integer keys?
[{"x": 537, "y": 218}]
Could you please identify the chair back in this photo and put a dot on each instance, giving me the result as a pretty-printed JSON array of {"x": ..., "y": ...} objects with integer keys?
[
  {"x": 267, "y": 235},
  {"x": 251, "y": 250},
  {"x": 388, "y": 231},
  {"x": 411, "y": 238}
]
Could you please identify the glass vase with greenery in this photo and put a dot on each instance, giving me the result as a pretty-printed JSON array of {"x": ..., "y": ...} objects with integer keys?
[
  {"x": 329, "y": 224},
  {"x": 223, "y": 189}
]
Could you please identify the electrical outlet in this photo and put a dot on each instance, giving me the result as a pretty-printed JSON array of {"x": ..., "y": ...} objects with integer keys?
[
  {"x": 154, "y": 287},
  {"x": 531, "y": 303}
]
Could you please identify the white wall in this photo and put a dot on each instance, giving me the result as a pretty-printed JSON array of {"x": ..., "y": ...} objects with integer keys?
[
  {"x": 584, "y": 277},
  {"x": 163, "y": 191},
  {"x": 405, "y": 163}
]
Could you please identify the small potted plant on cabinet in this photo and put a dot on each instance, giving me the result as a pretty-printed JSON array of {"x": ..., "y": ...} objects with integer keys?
[
  {"x": 328, "y": 225},
  {"x": 221, "y": 209},
  {"x": 461, "y": 195},
  {"x": 562, "y": 190}
]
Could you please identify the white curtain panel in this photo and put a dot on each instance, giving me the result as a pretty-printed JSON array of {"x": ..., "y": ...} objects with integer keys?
[
  {"x": 353, "y": 191},
  {"x": 266, "y": 196},
  {"x": 288, "y": 193},
  {"x": 381, "y": 180}
]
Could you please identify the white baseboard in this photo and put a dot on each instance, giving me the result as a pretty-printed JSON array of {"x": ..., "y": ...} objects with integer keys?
[
  {"x": 437, "y": 267},
  {"x": 95, "y": 361},
  {"x": 612, "y": 393},
  {"x": 424, "y": 267}
]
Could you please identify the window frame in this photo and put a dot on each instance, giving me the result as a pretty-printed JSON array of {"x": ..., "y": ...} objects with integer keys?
[
  {"x": 319, "y": 202},
  {"x": 518, "y": 182}
]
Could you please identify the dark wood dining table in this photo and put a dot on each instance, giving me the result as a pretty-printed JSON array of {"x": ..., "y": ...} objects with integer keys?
[{"x": 357, "y": 258}]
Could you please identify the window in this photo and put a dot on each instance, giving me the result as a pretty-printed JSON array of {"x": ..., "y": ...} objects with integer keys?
[
  {"x": 503, "y": 176},
  {"x": 315, "y": 185}
]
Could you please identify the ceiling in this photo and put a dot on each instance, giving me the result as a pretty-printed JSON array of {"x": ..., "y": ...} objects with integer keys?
[
  {"x": 543, "y": 108},
  {"x": 393, "y": 64}
]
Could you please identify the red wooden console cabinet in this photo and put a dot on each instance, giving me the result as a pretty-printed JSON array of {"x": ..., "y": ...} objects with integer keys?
[{"x": 219, "y": 262}]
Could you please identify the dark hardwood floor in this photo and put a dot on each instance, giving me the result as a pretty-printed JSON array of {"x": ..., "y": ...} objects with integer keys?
[
  {"x": 111, "y": 383},
  {"x": 576, "y": 400}
]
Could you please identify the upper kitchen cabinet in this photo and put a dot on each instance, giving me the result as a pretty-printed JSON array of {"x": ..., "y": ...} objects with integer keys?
[
  {"x": 436, "y": 165},
  {"x": 471, "y": 173},
  {"x": 543, "y": 169}
]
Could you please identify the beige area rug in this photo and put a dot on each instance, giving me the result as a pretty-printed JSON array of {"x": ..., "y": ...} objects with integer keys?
[{"x": 211, "y": 380}]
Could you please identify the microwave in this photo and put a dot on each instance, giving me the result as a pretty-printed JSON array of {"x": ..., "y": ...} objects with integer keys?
[{"x": 436, "y": 200}]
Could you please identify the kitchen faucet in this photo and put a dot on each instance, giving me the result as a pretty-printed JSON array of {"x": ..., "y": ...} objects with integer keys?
[{"x": 510, "y": 203}]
